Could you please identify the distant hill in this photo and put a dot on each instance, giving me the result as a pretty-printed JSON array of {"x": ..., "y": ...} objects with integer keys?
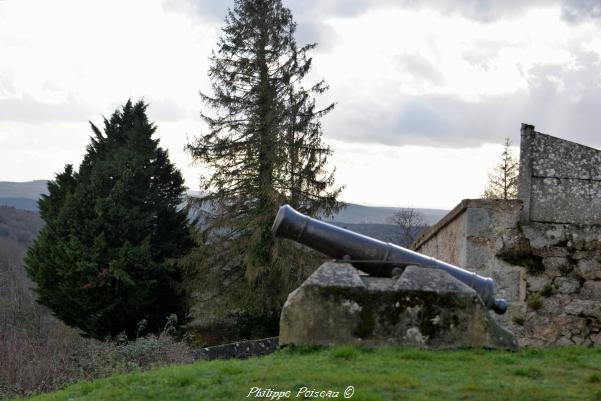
[
  {"x": 20, "y": 203},
  {"x": 383, "y": 232},
  {"x": 29, "y": 189},
  {"x": 19, "y": 225},
  {"x": 359, "y": 214},
  {"x": 24, "y": 195}
]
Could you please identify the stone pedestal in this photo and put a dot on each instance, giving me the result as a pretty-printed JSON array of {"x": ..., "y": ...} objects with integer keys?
[{"x": 423, "y": 307}]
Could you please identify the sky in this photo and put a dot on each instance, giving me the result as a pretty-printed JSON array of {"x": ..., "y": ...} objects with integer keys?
[{"x": 425, "y": 91}]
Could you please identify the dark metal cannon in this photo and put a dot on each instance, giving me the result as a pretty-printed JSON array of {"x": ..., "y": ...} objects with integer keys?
[{"x": 373, "y": 256}]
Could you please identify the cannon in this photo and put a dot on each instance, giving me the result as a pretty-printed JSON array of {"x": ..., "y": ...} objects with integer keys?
[{"x": 372, "y": 256}]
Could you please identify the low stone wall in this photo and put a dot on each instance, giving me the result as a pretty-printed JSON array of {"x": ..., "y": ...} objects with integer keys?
[{"x": 241, "y": 349}]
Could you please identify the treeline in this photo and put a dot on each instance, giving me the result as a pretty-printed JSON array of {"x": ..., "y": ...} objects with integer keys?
[
  {"x": 18, "y": 307},
  {"x": 117, "y": 259},
  {"x": 18, "y": 225},
  {"x": 117, "y": 253}
]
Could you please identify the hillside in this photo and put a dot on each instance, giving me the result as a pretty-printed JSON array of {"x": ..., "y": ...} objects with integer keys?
[
  {"x": 29, "y": 189},
  {"x": 383, "y": 232},
  {"x": 20, "y": 203},
  {"x": 569, "y": 373},
  {"x": 24, "y": 195},
  {"x": 19, "y": 225},
  {"x": 359, "y": 214}
]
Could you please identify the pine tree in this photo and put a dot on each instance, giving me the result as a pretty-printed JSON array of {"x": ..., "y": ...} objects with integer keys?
[
  {"x": 503, "y": 181},
  {"x": 263, "y": 147},
  {"x": 105, "y": 258}
]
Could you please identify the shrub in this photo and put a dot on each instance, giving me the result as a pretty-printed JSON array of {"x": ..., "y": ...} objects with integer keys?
[
  {"x": 30, "y": 365},
  {"x": 535, "y": 302},
  {"x": 548, "y": 290},
  {"x": 105, "y": 258}
]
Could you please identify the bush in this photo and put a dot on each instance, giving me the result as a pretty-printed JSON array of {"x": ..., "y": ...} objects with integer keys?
[
  {"x": 535, "y": 302},
  {"x": 106, "y": 256},
  {"x": 30, "y": 365}
]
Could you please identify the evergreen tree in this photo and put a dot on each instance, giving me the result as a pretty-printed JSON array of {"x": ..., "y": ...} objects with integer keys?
[
  {"x": 105, "y": 258},
  {"x": 503, "y": 181},
  {"x": 263, "y": 148}
]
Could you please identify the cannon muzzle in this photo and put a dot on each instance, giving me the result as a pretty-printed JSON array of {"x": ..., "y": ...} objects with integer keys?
[{"x": 373, "y": 256}]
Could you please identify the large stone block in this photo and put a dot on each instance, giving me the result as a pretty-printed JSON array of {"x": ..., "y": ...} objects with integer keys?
[
  {"x": 589, "y": 269},
  {"x": 591, "y": 290},
  {"x": 584, "y": 308},
  {"x": 423, "y": 308}
]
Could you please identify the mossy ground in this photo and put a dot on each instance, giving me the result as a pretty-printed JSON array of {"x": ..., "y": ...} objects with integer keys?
[{"x": 570, "y": 373}]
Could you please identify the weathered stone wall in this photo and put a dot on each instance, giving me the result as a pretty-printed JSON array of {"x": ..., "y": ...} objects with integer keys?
[
  {"x": 446, "y": 239},
  {"x": 474, "y": 229},
  {"x": 562, "y": 280},
  {"x": 544, "y": 250},
  {"x": 549, "y": 273},
  {"x": 239, "y": 350},
  {"x": 560, "y": 181}
]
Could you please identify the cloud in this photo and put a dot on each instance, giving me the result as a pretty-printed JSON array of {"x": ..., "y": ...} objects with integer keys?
[
  {"x": 206, "y": 10},
  {"x": 479, "y": 10},
  {"x": 312, "y": 17},
  {"x": 309, "y": 17},
  {"x": 483, "y": 53},
  {"x": 561, "y": 100},
  {"x": 7, "y": 82},
  {"x": 576, "y": 11},
  {"x": 310, "y": 14},
  {"x": 314, "y": 30},
  {"x": 166, "y": 110},
  {"x": 420, "y": 68},
  {"x": 429, "y": 95},
  {"x": 30, "y": 110}
]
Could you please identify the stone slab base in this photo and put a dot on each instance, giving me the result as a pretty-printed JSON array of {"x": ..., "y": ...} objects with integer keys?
[{"x": 424, "y": 308}]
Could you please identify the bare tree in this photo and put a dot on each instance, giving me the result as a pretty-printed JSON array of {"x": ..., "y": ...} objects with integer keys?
[
  {"x": 503, "y": 181},
  {"x": 410, "y": 224}
]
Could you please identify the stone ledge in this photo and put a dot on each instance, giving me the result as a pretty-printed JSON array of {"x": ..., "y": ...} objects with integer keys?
[{"x": 455, "y": 213}]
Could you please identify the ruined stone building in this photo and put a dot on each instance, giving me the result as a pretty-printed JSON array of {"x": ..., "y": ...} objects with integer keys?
[{"x": 543, "y": 249}]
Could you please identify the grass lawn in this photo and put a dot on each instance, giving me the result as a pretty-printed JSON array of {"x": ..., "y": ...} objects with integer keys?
[{"x": 566, "y": 374}]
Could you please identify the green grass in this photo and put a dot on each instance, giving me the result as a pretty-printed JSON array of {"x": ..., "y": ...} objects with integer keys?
[{"x": 570, "y": 373}]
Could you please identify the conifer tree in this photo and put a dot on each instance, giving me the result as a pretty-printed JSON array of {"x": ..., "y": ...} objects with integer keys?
[
  {"x": 503, "y": 181},
  {"x": 104, "y": 260},
  {"x": 263, "y": 148}
]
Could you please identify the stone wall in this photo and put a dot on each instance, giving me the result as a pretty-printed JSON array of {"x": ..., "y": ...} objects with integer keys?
[
  {"x": 239, "y": 350},
  {"x": 446, "y": 239},
  {"x": 549, "y": 273},
  {"x": 562, "y": 276},
  {"x": 544, "y": 250},
  {"x": 560, "y": 181},
  {"x": 474, "y": 230}
]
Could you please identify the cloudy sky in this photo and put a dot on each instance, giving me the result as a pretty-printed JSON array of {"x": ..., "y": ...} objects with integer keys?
[{"x": 426, "y": 91}]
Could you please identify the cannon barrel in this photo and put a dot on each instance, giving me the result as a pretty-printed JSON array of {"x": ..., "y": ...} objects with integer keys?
[{"x": 373, "y": 256}]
